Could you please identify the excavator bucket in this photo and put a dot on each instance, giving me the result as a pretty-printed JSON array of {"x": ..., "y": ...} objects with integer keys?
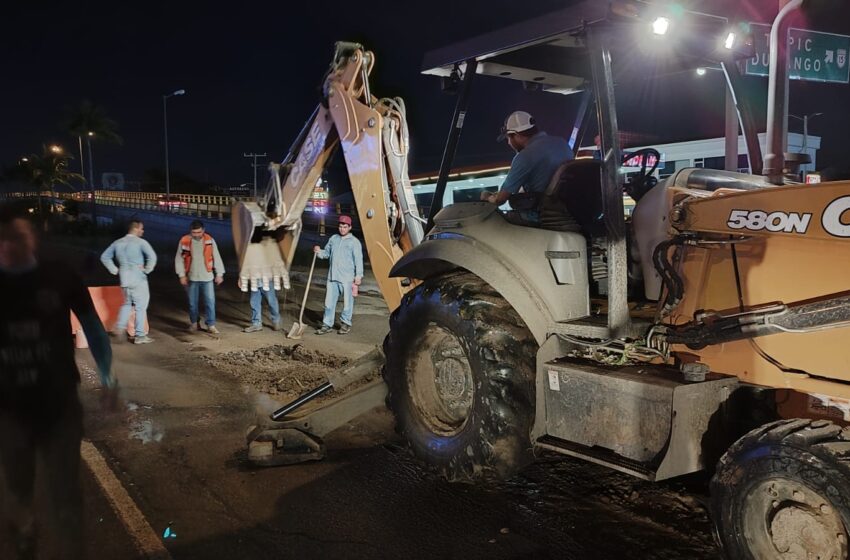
[{"x": 260, "y": 261}]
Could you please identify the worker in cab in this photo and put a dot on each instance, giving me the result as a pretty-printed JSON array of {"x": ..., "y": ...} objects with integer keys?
[{"x": 538, "y": 156}]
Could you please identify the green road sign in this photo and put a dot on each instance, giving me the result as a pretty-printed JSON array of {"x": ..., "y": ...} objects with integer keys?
[{"x": 812, "y": 56}]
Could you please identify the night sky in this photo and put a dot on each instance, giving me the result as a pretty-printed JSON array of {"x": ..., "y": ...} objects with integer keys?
[{"x": 252, "y": 71}]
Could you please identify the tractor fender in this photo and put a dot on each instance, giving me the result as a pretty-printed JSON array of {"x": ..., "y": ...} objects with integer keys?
[{"x": 527, "y": 279}]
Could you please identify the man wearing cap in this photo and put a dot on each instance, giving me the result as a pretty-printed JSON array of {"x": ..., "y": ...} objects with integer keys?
[
  {"x": 346, "y": 270},
  {"x": 538, "y": 156}
]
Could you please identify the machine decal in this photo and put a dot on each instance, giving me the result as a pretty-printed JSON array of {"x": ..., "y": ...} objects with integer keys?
[
  {"x": 309, "y": 153},
  {"x": 554, "y": 382},
  {"x": 757, "y": 220},
  {"x": 831, "y": 220}
]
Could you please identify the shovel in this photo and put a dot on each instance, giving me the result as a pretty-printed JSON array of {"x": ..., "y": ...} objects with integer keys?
[{"x": 298, "y": 326}]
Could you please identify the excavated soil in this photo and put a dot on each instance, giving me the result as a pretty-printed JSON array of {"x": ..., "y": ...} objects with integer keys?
[{"x": 278, "y": 370}]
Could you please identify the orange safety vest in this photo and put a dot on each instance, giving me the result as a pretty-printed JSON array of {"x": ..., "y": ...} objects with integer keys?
[{"x": 186, "y": 248}]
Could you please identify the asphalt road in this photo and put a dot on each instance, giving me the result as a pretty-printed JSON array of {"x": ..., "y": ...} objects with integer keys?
[{"x": 177, "y": 447}]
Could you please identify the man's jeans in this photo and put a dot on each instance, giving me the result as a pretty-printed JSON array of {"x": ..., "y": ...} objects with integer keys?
[
  {"x": 257, "y": 306},
  {"x": 137, "y": 296},
  {"x": 334, "y": 289},
  {"x": 207, "y": 290}
]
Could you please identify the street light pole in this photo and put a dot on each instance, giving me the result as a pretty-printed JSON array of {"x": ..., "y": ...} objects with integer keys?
[
  {"x": 82, "y": 167},
  {"x": 165, "y": 129},
  {"x": 805, "y": 119},
  {"x": 89, "y": 135},
  {"x": 255, "y": 156}
]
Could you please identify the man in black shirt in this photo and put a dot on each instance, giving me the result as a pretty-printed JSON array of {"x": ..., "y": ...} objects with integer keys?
[{"x": 40, "y": 410}]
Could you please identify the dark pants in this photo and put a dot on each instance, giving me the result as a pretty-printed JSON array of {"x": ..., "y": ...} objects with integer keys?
[
  {"x": 56, "y": 447},
  {"x": 521, "y": 218}
]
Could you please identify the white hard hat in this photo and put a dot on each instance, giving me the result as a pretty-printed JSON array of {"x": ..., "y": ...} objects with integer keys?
[{"x": 518, "y": 121}]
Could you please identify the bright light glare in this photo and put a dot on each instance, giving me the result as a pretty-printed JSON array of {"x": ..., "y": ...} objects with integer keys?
[
  {"x": 56, "y": 149},
  {"x": 700, "y": 71},
  {"x": 660, "y": 25},
  {"x": 730, "y": 41}
]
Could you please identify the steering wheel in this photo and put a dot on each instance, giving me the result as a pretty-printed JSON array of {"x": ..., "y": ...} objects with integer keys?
[{"x": 640, "y": 184}]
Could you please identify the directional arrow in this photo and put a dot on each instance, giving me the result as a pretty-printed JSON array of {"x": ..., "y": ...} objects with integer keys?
[{"x": 830, "y": 55}]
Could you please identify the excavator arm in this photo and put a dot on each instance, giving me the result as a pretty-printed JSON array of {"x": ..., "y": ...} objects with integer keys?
[{"x": 374, "y": 139}]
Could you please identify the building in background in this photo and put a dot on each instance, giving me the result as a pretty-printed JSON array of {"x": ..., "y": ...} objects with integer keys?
[{"x": 466, "y": 184}]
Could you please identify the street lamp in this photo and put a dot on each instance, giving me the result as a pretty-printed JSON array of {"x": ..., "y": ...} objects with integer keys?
[
  {"x": 56, "y": 149},
  {"x": 660, "y": 25},
  {"x": 805, "y": 119},
  {"x": 165, "y": 128}
]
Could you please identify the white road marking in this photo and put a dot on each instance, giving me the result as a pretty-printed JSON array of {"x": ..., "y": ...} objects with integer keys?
[{"x": 146, "y": 539}]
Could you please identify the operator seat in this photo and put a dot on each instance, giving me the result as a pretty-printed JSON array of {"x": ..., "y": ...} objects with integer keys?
[{"x": 573, "y": 199}]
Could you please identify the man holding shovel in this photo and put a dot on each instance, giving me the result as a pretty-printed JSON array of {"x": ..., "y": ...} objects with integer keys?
[{"x": 345, "y": 274}]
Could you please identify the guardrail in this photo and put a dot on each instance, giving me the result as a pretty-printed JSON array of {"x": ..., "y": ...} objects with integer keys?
[{"x": 200, "y": 205}]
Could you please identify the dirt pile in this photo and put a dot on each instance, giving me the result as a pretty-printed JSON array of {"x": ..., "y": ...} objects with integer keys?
[{"x": 278, "y": 369}]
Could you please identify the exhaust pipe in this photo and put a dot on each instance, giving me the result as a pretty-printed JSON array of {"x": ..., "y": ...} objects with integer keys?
[{"x": 777, "y": 95}]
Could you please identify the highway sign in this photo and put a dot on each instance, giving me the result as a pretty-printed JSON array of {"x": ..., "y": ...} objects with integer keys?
[{"x": 812, "y": 55}]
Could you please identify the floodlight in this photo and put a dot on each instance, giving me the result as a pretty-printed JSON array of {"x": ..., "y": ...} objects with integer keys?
[
  {"x": 660, "y": 25},
  {"x": 730, "y": 40}
]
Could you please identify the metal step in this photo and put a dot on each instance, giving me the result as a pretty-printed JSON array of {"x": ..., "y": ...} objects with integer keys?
[
  {"x": 597, "y": 327},
  {"x": 598, "y": 456}
]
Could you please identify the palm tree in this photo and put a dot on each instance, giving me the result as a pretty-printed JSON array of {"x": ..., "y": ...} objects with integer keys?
[
  {"x": 43, "y": 171},
  {"x": 89, "y": 121}
]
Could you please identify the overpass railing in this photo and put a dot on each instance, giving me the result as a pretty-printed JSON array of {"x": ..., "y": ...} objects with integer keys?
[{"x": 200, "y": 205}]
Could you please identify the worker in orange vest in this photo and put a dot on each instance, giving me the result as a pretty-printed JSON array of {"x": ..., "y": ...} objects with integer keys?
[{"x": 198, "y": 265}]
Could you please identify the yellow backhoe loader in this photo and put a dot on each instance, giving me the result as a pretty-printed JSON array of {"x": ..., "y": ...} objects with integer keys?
[{"x": 513, "y": 339}]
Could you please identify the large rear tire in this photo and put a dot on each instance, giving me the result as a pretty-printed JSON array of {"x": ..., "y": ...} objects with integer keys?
[
  {"x": 783, "y": 492},
  {"x": 460, "y": 371}
]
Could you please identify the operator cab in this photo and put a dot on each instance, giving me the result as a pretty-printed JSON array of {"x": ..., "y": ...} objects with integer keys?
[{"x": 585, "y": 53}]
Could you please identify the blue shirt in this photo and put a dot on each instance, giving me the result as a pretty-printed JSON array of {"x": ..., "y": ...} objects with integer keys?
[
  {"x": 136, "y": 259},
  {"x": 346, "y": 255},
  {"x": 533, "y": 167}
]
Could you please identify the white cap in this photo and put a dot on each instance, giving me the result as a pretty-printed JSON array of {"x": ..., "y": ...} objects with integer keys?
[{"x": 518, "y": 121}]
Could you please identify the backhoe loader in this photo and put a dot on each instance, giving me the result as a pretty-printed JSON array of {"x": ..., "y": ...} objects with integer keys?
[{"x": 505, "y": 339}]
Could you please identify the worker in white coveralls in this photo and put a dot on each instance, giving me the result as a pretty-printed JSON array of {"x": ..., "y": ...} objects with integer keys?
[{"x": 346, "y": 272}]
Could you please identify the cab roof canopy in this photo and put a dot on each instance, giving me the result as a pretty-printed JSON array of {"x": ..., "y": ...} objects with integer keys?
[{"x": 551, "y": 50}]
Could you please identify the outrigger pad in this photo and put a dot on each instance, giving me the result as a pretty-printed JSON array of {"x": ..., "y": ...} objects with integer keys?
[{"x": 271, "y": 447}]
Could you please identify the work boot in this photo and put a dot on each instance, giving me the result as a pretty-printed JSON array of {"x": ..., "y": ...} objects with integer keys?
[
  {"x": 277, "y": 326},
  {"x": 324, "y": 330},
  {"x": 254, "y": 327},
  {"x": 212, "y": 330},
  {"x": 142, "y": 339},
  {"x": 193, "y": 327},
  {"x": 344, "y": 329}
]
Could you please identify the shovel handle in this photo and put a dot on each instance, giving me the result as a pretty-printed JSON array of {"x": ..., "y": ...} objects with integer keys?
[{"x": 307, "y": 290}]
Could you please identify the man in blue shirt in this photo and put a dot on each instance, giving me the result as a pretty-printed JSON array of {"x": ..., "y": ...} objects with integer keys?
[
  {"x": 346, "y": 270},
  {"x": 136, "y": 259},
  {"x": 538, "y": 156}
]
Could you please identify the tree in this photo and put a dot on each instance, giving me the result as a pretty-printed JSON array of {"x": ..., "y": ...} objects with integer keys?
[
  {"x": 43, "y": 171},
  {"x": 89, "y": 121}
]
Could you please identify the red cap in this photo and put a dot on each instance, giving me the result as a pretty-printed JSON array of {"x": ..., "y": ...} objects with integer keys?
[{"x": 345, "y": 220}]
